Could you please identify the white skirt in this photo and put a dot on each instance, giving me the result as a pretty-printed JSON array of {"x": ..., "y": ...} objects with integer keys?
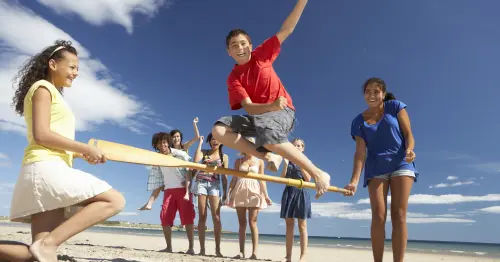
[{"x": 48, "y": 185}]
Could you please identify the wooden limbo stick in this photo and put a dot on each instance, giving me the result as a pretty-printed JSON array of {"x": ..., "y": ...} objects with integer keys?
[{"x": 129, "y": 154}]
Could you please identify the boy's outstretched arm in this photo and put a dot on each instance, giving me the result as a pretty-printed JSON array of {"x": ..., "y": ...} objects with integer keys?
[{"x": 291, "y": 21}]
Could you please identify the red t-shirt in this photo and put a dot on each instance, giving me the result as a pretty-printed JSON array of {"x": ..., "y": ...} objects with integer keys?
[{"x": 257, "y": 78}]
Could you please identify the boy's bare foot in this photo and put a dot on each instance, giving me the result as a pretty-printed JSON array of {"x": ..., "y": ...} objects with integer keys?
[
  {"x": 322, "y": 183},
  {"x": 253, "y": 256},
  {"x": 239, "y": 256},
  {"x": 145, "y": 207},
  {"x": 166, "y": 250},
  {"x": 273, "y": 161},
  {"x": 202, "y": 252},
  {"x": 42, "y": 252},
  {"x": 190, "y": 251}
]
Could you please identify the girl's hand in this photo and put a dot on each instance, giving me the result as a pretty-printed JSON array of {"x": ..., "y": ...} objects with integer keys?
[
  {"x": 410, "y": 155},
  {"x": 201, "y": 138},
  {"x": 195, "y": 120},
  {"x": 94, "y": 155},
  {"x": 269, "y": 201},
  {"x": 352, "y": 189}
]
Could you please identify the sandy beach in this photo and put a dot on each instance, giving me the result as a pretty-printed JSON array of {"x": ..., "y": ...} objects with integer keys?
[{"x": 98, "y": 246}]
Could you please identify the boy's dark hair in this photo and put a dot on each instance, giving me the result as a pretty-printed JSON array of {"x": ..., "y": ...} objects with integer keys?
[
  {"x": 221, "y": 154},
  {"x": 160, "y": 136},
  {"x": 381, "y": 84},
  {"x": 236, "y": 32},
  {"x": 37, "y": 68}
]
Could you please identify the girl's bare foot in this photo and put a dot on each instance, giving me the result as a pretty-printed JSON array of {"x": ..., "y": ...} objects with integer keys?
[
  {"x": 43, "y": 252},
  {"x": 145, "y": 207},
  {"x": 286, "y": 259},
  {"x": 253, "y": 256},
  {"x": 239, "y": 256},
  {"x": 202, "y": 252},
  {"x": 190, "y": 251}
]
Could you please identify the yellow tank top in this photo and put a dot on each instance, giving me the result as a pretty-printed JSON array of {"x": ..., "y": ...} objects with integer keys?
[{"x": 62, "y": 122}]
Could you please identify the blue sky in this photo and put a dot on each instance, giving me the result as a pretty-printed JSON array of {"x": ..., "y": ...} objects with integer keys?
[{"x": 149, "y": 66}]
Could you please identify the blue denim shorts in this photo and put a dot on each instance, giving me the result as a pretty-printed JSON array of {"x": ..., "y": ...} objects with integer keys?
[
  {"x": 401, "y": 172},
  {"x": 208, "y": 188}
]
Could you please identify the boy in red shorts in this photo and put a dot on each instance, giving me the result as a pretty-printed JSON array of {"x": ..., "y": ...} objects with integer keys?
[
  {"x": 172, "y": 180},
  {"x": 254, "y": 86}
]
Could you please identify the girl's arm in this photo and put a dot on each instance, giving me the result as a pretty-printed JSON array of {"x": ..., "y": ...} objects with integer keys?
[
  {"x": 45, "y": 137},
  {"x": 285, "y": 168},
  {"x": 404, "y": 123},
  {"x": 263, "y": 184},
  {"x": 151, "y": 200},
  {"x": 198, "y": 155},
  {"x": 307, "y": 176},
  {"x": 359, "y": 162},
  {"x": 187, "y": 183},
  {"x": 196, "y": 134},
  {"x": 233, "y": 179},
  {"x": 224, "y": 178}
]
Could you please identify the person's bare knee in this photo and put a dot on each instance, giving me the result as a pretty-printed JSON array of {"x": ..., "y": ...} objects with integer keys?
[{"x": 219, "y": 130}]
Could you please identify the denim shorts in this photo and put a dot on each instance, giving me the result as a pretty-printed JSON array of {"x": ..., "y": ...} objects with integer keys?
[
  {"x": 401, "y": 172},
  {"x": 267, "y": 128},
  {"x": 205, "y": 187}
]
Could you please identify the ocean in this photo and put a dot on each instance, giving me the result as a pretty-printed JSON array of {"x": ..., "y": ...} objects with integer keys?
[{"x": 415, "y": 246}]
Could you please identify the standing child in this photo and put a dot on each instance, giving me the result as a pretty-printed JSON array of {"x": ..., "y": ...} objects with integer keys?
[
  {"x": 176, "y": 196},
  {"x": 208, "y": 190},
  {"x": 295, "y": 204},
  {"x": 384, "y": 148},
  {"x": 254, "y": 85},
  {"x": 248, "y": 194},
  {"x": 177, "y": 137},
  {"x": 47, "y": 183}
]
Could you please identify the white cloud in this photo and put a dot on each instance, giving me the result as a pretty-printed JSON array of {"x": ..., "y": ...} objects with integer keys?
[
  {"x": 93, "y": 91},
  {"x": 350, "y": 211},
  {"x": 128, "y": 214},
  {"x": 444, "y": 185},
  {"x": 442, "y": 199},
  {"x": 488, "y": 167},
  {"x": 3, "y": 156},
  {"x": 451, "y": 178},
  {"x": 492, "y": 209},
  {"x": 106, "y": 11}
]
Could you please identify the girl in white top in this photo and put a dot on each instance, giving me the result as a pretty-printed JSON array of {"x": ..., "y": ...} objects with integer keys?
[{"x": 47, "y": 183}]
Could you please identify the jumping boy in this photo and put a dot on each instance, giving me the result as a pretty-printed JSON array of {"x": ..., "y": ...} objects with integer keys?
[{"x": 254, "y": 86}]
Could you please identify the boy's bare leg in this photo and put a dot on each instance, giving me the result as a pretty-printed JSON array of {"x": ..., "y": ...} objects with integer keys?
[
  {"x": 190, "y": 236},
  {"x": 290, "y": 152},
  {"x": 167, "y": 233},
  {"x": 227, "y": 137}
]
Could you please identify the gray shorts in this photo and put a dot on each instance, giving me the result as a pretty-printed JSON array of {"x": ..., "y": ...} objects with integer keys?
[{"x": 267, "y": 128}]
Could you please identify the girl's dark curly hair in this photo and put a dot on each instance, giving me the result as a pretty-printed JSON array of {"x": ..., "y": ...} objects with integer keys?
[{"x": 37, "y": 68}]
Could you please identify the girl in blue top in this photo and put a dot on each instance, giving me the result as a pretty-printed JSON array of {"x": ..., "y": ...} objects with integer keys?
[{"x": 384, "y": 146}]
